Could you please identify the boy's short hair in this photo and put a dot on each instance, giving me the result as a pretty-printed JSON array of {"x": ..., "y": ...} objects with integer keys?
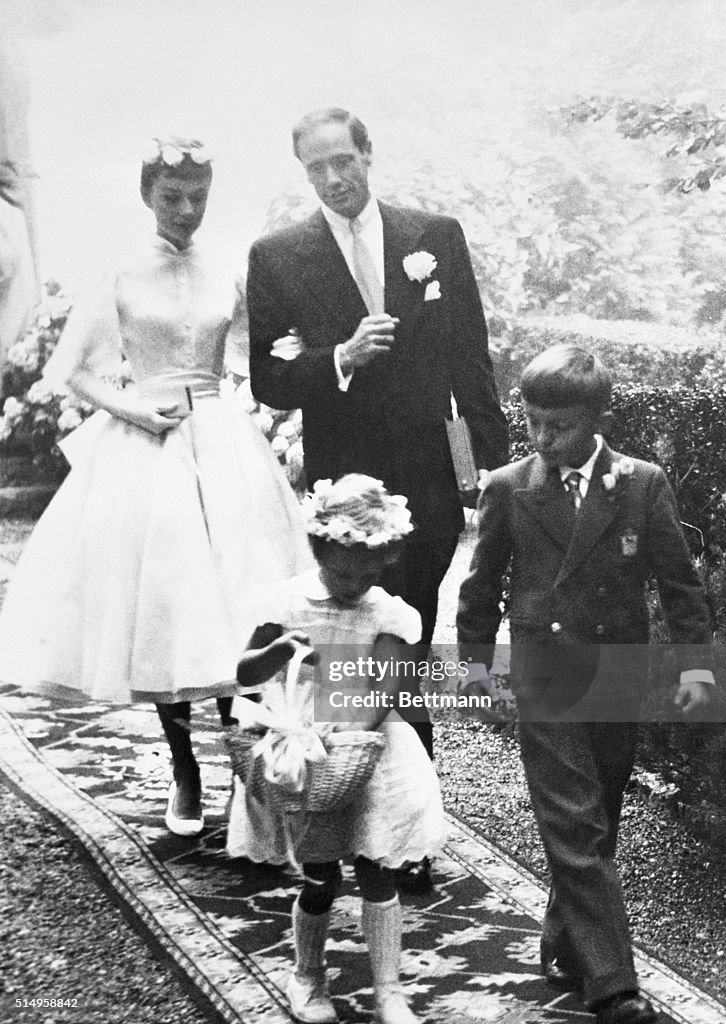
[{"x": 566, "y": 375}]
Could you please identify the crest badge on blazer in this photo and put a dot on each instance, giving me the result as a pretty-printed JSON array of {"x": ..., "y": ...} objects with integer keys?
[{"x": 629, "y": 544}]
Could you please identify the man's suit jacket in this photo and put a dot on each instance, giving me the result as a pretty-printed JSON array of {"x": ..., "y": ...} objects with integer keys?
[
  {"x": 390, "y": 422},
  {"x": 578, "y": 579}
]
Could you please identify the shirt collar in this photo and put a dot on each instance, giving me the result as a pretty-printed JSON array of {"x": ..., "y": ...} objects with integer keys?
[
  {"x": 368, "y": 215},
  {"x": 169, "y": 249},
  {"x": 313, "y": 587},
  {"x": 587, "y": 469}
]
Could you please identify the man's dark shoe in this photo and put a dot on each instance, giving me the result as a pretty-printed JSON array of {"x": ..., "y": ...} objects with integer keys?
[
  {"x": 625, "y": 1008},
  {"x": 562, "y": 978},
  {"x": 414, "y": 877}
]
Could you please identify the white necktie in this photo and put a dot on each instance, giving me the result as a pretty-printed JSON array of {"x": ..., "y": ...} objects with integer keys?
[{"x": 365, "y": 272}]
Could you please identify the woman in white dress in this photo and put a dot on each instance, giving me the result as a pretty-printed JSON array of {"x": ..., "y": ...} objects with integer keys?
[{"x": 134, "y": 585}]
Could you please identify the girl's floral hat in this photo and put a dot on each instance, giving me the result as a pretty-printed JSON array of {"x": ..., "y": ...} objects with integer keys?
[
  {"x": 172, "y": 151},
  {"x": 356, "y": 509}
]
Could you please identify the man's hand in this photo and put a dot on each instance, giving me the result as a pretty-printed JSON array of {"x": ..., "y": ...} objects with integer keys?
[
  {"x": 374, "y": 337},
  {"x": 693, "y": 697}
]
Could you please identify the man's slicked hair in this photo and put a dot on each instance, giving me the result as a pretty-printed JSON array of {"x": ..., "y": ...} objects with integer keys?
[{"x": 331, "y": 115}]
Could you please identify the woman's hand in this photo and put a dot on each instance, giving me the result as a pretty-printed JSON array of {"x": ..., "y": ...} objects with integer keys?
[
  {"x": 152, "y": 416},
  {"x": 149, "y": 415}
]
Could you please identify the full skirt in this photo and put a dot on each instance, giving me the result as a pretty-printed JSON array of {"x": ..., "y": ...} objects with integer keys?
[{"x": 136, "y": 582}]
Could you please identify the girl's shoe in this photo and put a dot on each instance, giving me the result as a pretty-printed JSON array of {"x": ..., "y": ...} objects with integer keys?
[
  {"x": 184, "y": 815},
  {"x": 382, "y": 929},
  {"x": 309, "y": 999},
  {"x": 307, "y": 988}
]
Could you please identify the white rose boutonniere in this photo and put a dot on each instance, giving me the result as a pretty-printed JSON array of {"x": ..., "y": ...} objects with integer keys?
[
  {"x": 615, "y": 480},
  {"x": 171, "y": 156},
  {"x": 419, "y": 265}
]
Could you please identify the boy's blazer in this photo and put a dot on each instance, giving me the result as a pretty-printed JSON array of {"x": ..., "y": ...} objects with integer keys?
[
  {"x": 390, "y": 422},
  {"x": 578, "y": 579}
]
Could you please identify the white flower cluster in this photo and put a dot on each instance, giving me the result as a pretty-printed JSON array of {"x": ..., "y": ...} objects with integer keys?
[
  {"x": 25, "y": 354},
  {"x": 282, "y": 429},
  {"x": 419, "y": 265},
  {"x": 172, "y": 153},
  {"x": 619, "y": 471},
  {"x": 373, "y": 518}
]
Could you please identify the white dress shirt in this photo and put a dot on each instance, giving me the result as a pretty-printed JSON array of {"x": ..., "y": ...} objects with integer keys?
[
  {"x": 371, "y": 234},
  {"x": 585, "y": 471}
]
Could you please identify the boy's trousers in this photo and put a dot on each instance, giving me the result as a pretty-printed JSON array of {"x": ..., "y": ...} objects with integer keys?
[{"x": 576, "y": 773}]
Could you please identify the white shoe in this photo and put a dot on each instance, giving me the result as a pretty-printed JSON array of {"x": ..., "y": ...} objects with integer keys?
[
  {"x": 181, "y": 826},
  {"x": 391, "y": 1007},
  {"x": 309, "y": 999}
]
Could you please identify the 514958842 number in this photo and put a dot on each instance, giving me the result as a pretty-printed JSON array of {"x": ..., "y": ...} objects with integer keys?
[{"x": 44, "y": 1003}]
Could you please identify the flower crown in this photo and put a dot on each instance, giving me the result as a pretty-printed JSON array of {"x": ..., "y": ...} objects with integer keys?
[
  {"x": 356, "y": 510},
  {"x": 172, "y": 152}
]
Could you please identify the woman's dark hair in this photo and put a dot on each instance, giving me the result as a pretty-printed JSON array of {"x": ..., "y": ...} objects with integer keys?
[{"x": 193, "y": 162}]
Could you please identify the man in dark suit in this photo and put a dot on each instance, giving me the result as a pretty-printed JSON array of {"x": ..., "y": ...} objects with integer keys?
[
  {"x": 584, "y": 528},
  {"x": 390, "y": 322}
]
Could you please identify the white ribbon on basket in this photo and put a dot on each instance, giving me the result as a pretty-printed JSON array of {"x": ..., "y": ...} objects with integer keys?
[{"x": 291, "y": 742}]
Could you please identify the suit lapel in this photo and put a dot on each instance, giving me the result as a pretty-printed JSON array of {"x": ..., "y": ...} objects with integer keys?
[
  {"x": 592, "y": 520},
  {"x": 324, "y": 273},
  {"x": 402, "y": 231},
  {"x": 545, "y": 499}
]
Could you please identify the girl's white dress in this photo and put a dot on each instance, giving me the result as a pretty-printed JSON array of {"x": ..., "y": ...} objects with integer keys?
[
  {"x": 135, "y": 582},
  {"x": 398, "y": 816}
]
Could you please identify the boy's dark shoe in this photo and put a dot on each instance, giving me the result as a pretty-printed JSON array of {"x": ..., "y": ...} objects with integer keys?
[
  {"x": 414, "y": 877},
  {"x": 564, "y": 978},
  {"x": 625, "y": 1008}
]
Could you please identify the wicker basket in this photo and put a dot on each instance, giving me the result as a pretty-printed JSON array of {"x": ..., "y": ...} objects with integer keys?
[{"x": 331, "y": 784}]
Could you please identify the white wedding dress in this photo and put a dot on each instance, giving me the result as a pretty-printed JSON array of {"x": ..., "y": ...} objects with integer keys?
[{"x": 135, "y": 584}]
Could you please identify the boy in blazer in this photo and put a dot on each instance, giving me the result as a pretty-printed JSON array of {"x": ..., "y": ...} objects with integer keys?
[{"x": 583, "y": 529}]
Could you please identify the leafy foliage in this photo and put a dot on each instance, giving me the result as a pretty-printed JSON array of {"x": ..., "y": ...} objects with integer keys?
[{"x": 692, "y": 132}]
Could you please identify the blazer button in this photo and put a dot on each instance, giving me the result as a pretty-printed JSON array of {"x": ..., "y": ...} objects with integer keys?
[
  {"x": 602, "y": 591},
  {"x": 599, "y": 630},
  {"x": 556, "y": 628}
]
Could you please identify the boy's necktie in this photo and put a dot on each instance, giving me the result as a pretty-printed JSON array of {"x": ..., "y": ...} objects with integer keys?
[
  {"x": 365, "y": 272},
  {"x": 572, "y": 483}
]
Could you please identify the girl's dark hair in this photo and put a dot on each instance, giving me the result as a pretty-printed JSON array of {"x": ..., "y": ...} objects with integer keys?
[{"x": 566, "y": 375}]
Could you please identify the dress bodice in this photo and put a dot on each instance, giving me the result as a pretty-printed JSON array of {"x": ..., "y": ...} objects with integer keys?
[
  {"x": 174, "y": 314},
  {"x": 168, "y": 313}
]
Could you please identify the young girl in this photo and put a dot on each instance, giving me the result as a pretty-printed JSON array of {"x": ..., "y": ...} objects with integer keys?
[
  {"x": 135, "y": 583},
  {"x": 355, "y": 528}
]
